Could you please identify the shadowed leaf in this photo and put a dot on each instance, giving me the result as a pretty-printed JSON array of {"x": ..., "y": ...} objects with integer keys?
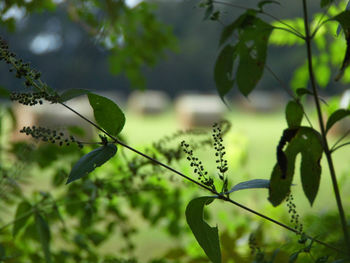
[
  {"x": 43, "y": 231},
  {"x": 21, "y": 217},
  {"x": 308, "y": 143},
  {"x": 206, "y": 236},
  {"x": 107, "y": 114},
  {"x": 335, "y": 117},
  {"x": 255, "y": 183},
  {"x": 90, "y": 161},
  {"x": 72, "y": 93},
  {"x": 251, "y": 49},
  {"x": 294, "y": 114}
]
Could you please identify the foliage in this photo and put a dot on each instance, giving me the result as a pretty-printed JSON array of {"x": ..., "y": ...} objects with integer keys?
[
  {"x": 133, "y": 35},
  {"x": 85, "y": 213}
]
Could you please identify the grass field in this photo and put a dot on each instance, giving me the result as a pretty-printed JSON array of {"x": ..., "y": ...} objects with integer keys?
[
  {"x": 260, "y": 133},
  {"x": 253, "y": 133}
]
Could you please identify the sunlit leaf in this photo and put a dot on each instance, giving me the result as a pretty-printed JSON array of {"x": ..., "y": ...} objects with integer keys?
[
  {"x": 323, "y": 74},
  {"x": 107, "y": 114},
  {"x": 72, "y": 93},
  {"x": 294, "y": 114},
  {"x": 335, "y": 117},
  {"x": 206, "y": 236},
  {"x": 255, "y": 183},
  {"x": 43, "y": 231},
  {"x": 23, "y": 213},
  {"x": 308, "y": 143},
  {"x": 90, "y": 161}
]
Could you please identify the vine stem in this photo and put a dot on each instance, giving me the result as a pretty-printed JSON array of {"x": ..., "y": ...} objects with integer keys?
[
  {"x": 219, "y": 195},
  {"x": 327, "y": 151}
]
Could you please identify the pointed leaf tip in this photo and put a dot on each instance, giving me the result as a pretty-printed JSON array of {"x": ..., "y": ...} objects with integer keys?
[
  {"x": 107, "y": 114},
  {"x": 251, "y": 184},
  {"x": 90, "y": 161},
  {"x": 206, "y": 236}
]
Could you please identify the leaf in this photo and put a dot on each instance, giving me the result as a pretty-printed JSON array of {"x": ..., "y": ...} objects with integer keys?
[
  {"x": 72, "y": 93},
  {"x": 2, "y": 252},
  {"x": 251, "y": 49},
  {"x": 23, "y": 213},
  {"x": 302, "y": 91},
  {"x": 4, "y": 93},
  {"x": 325, "y": 3},
  {"x": 336, "y": 116},
  {"x": 223, "y": 70},
  {"x": 293, "y": 257},
  {"x": 294, "y": 114},
  {"x": 255, "y": 183},
  {"x": 43, "y": 231},
  {"x": 344, "y": 20},
  {"x": 206, "y": 236},
  {"x": 90, "y": 161},
  {"x": 308, "y": 143},
  {"x": 265, "y": 2},
  {"x": 107, "y": 114}
]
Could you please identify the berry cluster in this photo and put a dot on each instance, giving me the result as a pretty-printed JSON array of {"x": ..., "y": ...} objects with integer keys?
[
  {"x": 23, "y": 70},
  {"x": 197, "y": 166},
  {"x": 220, "y": 153},
  {"x": 31, "y": 99},
  {"x": 294, "y": 214},
  {"x": 48, "y": 135}
]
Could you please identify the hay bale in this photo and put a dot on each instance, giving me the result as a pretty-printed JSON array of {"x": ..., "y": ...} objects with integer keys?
[
  {"x": 148, "y": 102},
  {"x": 199, "y": 110}
]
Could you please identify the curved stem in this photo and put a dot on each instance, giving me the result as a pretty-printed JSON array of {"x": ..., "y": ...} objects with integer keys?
[
  {"x": 340, "y": 139},
  {"x": 323, "y": 133},
  {"x": 220, "y": 196},
  {"x": 293, "y": 30},
  {"x": 339, "y": 146},
  {"x": 288, "y": 91}
]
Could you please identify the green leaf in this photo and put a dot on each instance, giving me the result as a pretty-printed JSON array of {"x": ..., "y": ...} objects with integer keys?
[
  {"x": 2, "y": 252},
  {"x": 325, "y": 3},
  {"x": 206, "y": 236},
  {"x": 265, "y": 2},
  {"x": 72, "y": 93},
  {"x": 308, "y": 143},
  {"x": 336, "y": 116},
  {"x": 23, "y": 213},
  {"x": 43, "y": 231},
  {"x": 253, "y": 34},
  {"x": 255, "y": 183},
  {"x": 90, "y": 161},
  {"x": 4, "y": 93},
  {"x": 302, "y": 91},
  {"x": 294, "y": 257},
  {"x": 223, "y": 70},
  {"x": 344, "y": 20},
  {"x": 107, "y": 114},
  {"x": 294, "y": 114}
]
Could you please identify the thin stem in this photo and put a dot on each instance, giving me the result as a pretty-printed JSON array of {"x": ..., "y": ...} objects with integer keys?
[
  {"x": 320, "y": 22},
  {"x": 293, "y": 30},
  {"x": 340, "y": 139},
  {"x": 339, "y": 146},
  {"x": 220, "y": 196},
  {"x": 280, "y": 224},
  {"x": 323, "y": 133},
  {"x": 288, "y": 91}
]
